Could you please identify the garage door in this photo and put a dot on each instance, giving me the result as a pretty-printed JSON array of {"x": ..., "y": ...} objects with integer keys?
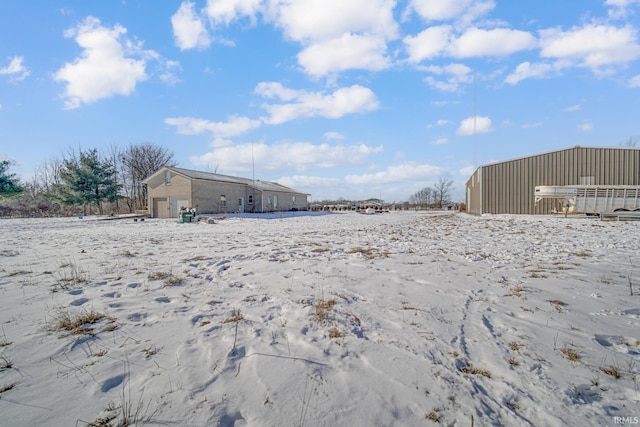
[{"x": 161, "y": 208}]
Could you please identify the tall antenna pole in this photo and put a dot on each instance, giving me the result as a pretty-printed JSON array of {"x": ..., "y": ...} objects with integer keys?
[
  {"x": 253, "y": 176},
  {"x": 475, "y": 117}
]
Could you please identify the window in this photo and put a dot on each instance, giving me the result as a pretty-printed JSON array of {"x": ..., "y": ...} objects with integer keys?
[
  {"x": 293, "y": 199},
  {"x": 223, "y": 201},
  {"x": 167, "y": 178}
]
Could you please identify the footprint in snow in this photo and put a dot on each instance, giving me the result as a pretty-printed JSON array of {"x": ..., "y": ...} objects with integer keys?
[
  {"x": 78, "y": 302},
  {"x": 112, "y": 383}
]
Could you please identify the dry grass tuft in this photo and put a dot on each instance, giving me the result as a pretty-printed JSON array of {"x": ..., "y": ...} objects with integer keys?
[
  {"x": 81, "y": 323},
  {"x": 320, "y": 250},
  {"x": 513, "y": 405},
  {"x": 581, "y": 253},
  {"x": 407, "y": 306},
  {"x": 613, "y": 371},
  {"x": 570, "y": 354},
  {"x": 335, "y": 333},
  {"x": 71, "y": 275},
  {"x": 158, "y": 275},
  {"x": 433, "y": 416},
  {"x": 368, "y": 252},
  {"x": 323, "y": 306},
  {"x": 173, "y": 280},
  {"x": 237, "y": 316},
  {"x": 468, "y": 369},
  {"x": 513, "y": 362},
  {"x": 515, "y": 346},
  {"x": 516, "y": 291},
  {"x": 557, "y": 304},
  {"x": 150, "y": 351}
]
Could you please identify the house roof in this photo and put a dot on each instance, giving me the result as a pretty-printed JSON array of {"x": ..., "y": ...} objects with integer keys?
[{"x": 208, "y": 176}]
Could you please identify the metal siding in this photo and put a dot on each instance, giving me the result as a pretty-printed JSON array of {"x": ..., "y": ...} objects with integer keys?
[{"x": 508, "y": 187}]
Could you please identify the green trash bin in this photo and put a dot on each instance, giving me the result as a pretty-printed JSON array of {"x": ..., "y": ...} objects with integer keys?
[{"x": 186, "y": 216}]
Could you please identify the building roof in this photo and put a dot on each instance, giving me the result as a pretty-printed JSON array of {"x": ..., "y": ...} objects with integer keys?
[
  {"x": 208, "y": 176},
  {"x": 575, "y": 147}
]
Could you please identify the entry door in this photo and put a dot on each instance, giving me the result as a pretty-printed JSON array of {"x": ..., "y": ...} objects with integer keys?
[
  {"x": 161, "y": 208},
  {"x": 241, "y": 205},
  {"x": 177, "y": 203}
]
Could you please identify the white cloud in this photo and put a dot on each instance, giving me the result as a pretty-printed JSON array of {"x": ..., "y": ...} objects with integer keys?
[
  {"x": 103, "y": 70},
  {"x": 303, "y": 181},
  {"x": 167, "y": 75},
  {"x": 572, "y": 108},
  {"x": 456, "y": 74},
  {"x": 353, "y": 99},
  {"x": 293, "y": 156},
  {"x": 467, "y": 170},
  {"x": 335, "y": 136},
  {"x": 585, "y": 127},
  {"x": 350, "y": 51},
  {"x": 429, "y": 43},
  {"x": 592, "y": 46},
  {"x": 226, "y": 11},
  {"x": 188, "y": 29},
  {"x": 234, "y": 126},
  {"x": 528, "y": 70},
  {"x": 398, "y": 173},
  {"x": 476, "y": 42},
  {"x": 620, "y": 8},
  {"x": 479, "y": 125},
  {"x": 443, "y": 10},
  {"x": 310, "y": 21},
  {"x": 532, "y": 125},
  {"x": 16, "y": 69},
  {"x": 440, "y": 141},
  {"x": 298, "y": 104},
  {"x": 635, "y": 81}
]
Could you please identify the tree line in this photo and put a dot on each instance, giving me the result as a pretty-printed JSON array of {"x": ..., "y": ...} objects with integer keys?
[
  {"x": 437, "y": 196},
  {"x": 84, "y": 181}
]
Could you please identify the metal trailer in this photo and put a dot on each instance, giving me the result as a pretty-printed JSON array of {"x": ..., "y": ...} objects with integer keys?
[{"x": 591, "y": 199}]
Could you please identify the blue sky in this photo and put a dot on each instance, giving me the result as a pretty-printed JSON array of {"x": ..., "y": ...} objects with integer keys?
[{"x": 353, "y": 99}]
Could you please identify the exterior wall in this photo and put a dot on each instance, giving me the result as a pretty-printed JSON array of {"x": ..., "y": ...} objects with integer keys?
[
  {"x": 473, "y": 193},
  {"x": 276, "y": 201},
  {"x": 175, "y": 193},
  {"x": 508, "y": 187},
  {"x": 207, "y": 196}
]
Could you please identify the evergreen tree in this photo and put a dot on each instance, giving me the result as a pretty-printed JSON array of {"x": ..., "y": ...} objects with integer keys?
[
  {"x": 87, "y": 180},
  {"x": 9, "y": 184}
]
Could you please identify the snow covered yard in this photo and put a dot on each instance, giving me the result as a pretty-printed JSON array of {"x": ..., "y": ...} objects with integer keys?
[{"x": 403, "y": 319}]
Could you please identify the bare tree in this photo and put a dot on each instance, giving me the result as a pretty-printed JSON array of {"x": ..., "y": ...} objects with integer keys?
[
  {"x": 422, "y": 198},
  {"x": 139, "y": 161},
  {"x": 46, "y": 176},
  {"x": 631, "y": 142},
  {"x": 442, "y": 190}
]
